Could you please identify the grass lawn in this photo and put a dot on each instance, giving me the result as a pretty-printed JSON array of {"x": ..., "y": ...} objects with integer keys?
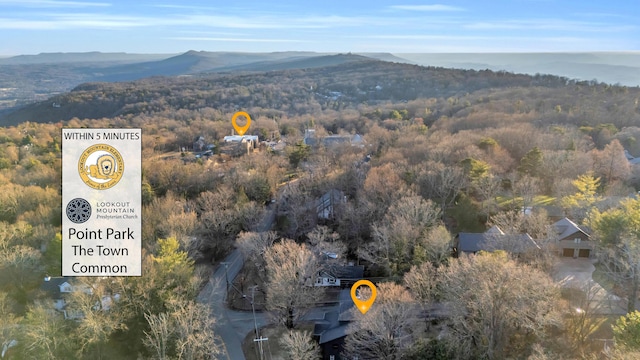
[
  {"x": 540, "y": 200},
  {"x": 271, "y": 348}
]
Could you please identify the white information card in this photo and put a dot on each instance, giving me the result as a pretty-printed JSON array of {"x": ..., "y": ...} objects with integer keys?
[{"x": 101, "y": 202}]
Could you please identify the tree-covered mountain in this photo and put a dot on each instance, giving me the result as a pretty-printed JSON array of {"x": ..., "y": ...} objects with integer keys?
[
  {"x": 336, "y": 81},
  {"x": 26, "y": 79}
]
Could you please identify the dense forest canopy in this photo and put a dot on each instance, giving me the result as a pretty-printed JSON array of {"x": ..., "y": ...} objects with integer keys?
[
  {"x": 443, "y": 151},
  {"x": 294, "y": 92}
]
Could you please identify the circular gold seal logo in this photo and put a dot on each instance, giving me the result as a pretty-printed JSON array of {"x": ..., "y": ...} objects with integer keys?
[{"x": 101, "y": 166}]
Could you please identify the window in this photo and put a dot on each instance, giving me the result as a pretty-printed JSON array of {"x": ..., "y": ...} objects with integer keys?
[
  {"x": 332, "y": 357},
  {"x": 332, "y": 280},
  {"x": 576, "y": 240}
]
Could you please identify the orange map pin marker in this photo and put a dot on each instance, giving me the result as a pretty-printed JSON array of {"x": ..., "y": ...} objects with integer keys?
[
  {"x": 363, "y": 305},
  {"x": 241, "y": 129}
]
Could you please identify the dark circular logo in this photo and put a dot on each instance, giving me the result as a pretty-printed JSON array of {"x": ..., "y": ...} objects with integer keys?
[{"x": 78, "y": 210}]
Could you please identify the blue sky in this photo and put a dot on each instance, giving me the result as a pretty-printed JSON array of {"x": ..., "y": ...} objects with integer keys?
[{"x": 170, "y": 26}]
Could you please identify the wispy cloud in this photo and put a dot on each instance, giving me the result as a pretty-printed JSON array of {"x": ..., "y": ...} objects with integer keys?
[
  {"x": 495, "y": 38},
  {"x": 100, "y": 20},
  {"x": 211, "y": 33},
  {"x": 72, "y": 21},
  {"x": 433, "y": 7},
  {"x": 233, "y": 39},
  {"x": 184, "y": 7},
  {"x": 20, "y": 24},
  {"x": 548, "y": 24},
  {"x": 52, "y": 3}
]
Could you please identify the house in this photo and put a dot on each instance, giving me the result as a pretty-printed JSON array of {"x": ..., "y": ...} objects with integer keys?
[
  {"x": 58, "y": 288},
  {"x": 572, "y": 240},
  {"x": 332, "y": 330},
  {"x": 339, "y": 275},
  {"x": 327, "y": 203},
  {"x": 238, "y": 145},
  {"x": 331, "y": 141},
  {"x": 493, "y": 239},
  {"x": 330, "y": 333},
  {"x": 252, "y": 140},
  {"x": 199, "y": 144}
]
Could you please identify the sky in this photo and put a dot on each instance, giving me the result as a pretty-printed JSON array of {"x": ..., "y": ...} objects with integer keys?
[{"x": 170, "y": 26}]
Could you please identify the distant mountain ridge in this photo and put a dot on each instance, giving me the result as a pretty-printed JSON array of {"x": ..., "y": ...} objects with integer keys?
[
  {"x": 331, "y": 81},
  {"x": 194, "y": 62},
  {"x": 83, "y": 57},
  {"x": 26, "y": 79},
  {"x": 608, "y": 67}
]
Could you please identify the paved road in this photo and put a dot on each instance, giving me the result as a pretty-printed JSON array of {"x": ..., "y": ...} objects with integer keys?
[
  {"x": 231, "y": 326},
  {"x": 578, "y": 274}
]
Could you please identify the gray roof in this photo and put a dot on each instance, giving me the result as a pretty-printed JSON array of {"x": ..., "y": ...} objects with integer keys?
[
  {"x": 51, "y": 285},
  {"x": 331, "y": 140},
  {"x": 334, "y": 333},
  {"x": 330, "y": 320},
  {"x": 346, "y": 304},
  {"x": 474, "y": 242},
  {"x": 335, "y": 323},
  {"x": 566, "y": 228},
  {"x": 330, "y": 328},
  {"x": 347, "y": 272},
  {"x": 494, "y": 230}
]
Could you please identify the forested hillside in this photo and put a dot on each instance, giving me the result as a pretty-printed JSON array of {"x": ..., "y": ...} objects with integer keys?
[
  {"x": 354, "y": 82},
  {"x": 443, "y": 151}
]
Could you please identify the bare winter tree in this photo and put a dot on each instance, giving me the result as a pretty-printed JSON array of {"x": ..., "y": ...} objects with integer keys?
[
  {"x": 298, "y": 209},
  {"x": 43, "y": 335},
  {"x": 253, "y": 245},
  {"x": 323, "y": 240},
  {"x": 291, "y": 272},
  {"x": 510, "y": 222},
  {"x": 436, "y": 244},
  {"x": 387, "y": 330},
  {"x": 526, "y": 188},
  {"x": 193, "y": 329},
  {"x": 299, "y": 345},
  {"x": 499, "y": 308},
  {"x": 221, "y": 219},
  {"x": 586, "y": 306},
  {"x": 100, "y": 318},
  {"x": 421, "y": 281},
  {"x": 394, "y": 238},
  {"x": 487, "y": 187},
  {"x": 610, "y": 163},
  {"x": 444, "y": 183},
  {"x": 158, "y": 338},
  {"x": 185, "y": 333}
]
